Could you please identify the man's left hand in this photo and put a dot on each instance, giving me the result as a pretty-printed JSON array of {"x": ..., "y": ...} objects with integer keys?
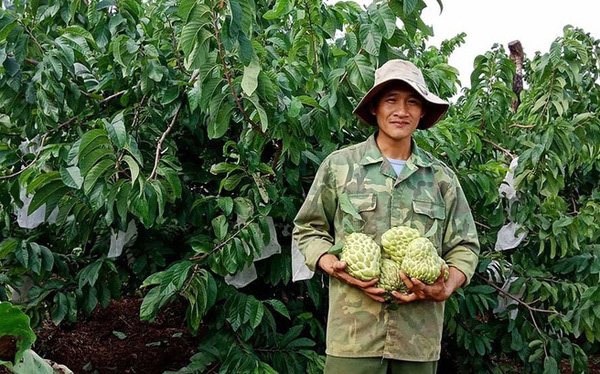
[{"x": 439, "y": 290}]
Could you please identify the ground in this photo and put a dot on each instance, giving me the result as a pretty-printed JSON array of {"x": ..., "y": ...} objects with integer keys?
[{"x": 114, "y": 340}]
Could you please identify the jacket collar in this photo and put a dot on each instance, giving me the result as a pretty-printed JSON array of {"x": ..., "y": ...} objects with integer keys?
[{"x": 372, "y": 154}]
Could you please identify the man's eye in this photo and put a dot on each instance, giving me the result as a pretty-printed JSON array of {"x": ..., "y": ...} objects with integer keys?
[{"x": 390, "y": 100}]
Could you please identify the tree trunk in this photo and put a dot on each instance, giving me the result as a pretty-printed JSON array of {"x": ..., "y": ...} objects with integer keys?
[{"x": 516, "y": 54}]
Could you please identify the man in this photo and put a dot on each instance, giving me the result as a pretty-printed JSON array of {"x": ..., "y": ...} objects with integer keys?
[{"x": 391, "y": 182}]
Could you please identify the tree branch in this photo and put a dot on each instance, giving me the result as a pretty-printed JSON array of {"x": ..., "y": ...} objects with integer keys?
[
  {"x": 162, "y": 140},
  {"x": 114, "y": 95},
  {"x": 482, "y": 225},
  {"x": 506, "y": 151},
  {"x": 522, "y": 126},
  {"x": 519, "y": 301},
  {"x": 230, "y": 80},
  {"x": 32, "y": 61},
  {"x": 312, "y": 39},
  {"x": 220, "y": 246},
  {"x": 37, "y": 156}
]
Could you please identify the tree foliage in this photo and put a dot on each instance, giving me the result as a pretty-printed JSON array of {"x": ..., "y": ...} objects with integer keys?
[{"x": 156, "y": 141}]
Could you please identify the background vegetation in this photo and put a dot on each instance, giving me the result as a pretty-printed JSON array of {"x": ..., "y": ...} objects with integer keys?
[{"x": 174, "y": 131}]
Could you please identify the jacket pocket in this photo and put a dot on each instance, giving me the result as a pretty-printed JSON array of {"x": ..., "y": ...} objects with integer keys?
[
  {"x": 363, "y": 202},
  {"x": 366, "y": 205},
  {"x": 430, "y": 218}
]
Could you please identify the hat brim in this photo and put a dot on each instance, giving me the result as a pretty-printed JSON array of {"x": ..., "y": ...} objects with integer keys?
[{"x": 435, "y": 106}]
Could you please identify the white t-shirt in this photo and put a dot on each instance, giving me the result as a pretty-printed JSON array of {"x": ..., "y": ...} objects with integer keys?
[{"x": 398, "y": 165}]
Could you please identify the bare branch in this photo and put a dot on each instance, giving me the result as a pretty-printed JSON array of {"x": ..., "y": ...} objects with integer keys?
[
  {"x": 522, "y": 126},
  {"x": 506, "y": 151},
  {"x": 162, "y": 140},
  {"x": 32, "y": 61},
  {"x": 37, "y": 156},
  {"x": 220, "y": 246},
  {"x": 113, "y": 96},
  {"x": 312, "y": 39},
  {"x": 519, "y": 301},
  {"x": 482, "y": 225},
  {"x": 229, "y": 79}
]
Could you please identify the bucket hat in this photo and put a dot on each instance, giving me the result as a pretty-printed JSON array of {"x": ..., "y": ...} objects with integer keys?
[{"x": 404, "y": 71}]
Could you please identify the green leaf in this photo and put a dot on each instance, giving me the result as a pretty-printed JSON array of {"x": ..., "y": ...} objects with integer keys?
[
  {"x": 50, "y": 194},
  {"x": 60, "y": 308},
  {"x": 550, "y": 365},
  {"x": 16, "y": 323},
  {"x": 92, "y": 139},
  {"x": 42, "y": 180},
  {"x": 7, "y": 247},
  {"x": 349, "y": 208},
  {"x": 134, "y": 168},
  {"x": 371, "y": 38},
  {"x": 35, "y": 258},
  {"x": 336, "y": 249},
  {"x": 279, "y": 307},
  {"x": 116, "y": 130},
  {"x": 281, "y": 8},
  {"x": 226, "y": 205},
  {"x": 219, "y": 124},
  {"x": 95, "y": 173},
  {"x": 360, "y": 72},
  {"x": 264, "y": 119},
  {"x": 89, "y": 274},
  {"x": 384, "y": 18},
  {"x": 220, "y": 227},
  {"x": 254, "y": 311},
  {"x": 250, "y": 78},
  {"x": 71, "y": 177}
]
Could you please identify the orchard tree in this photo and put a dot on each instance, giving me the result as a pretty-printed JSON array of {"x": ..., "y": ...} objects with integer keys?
[{"x": 164, "y": 146}]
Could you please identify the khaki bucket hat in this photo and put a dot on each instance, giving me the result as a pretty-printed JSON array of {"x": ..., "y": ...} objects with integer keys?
[{"x": 405, "y": 71}]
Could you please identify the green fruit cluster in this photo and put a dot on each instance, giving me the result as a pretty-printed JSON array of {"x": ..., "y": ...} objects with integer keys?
[{"x": 403, "y": 249}]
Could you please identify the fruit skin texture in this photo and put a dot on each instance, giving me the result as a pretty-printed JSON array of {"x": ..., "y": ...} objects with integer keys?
[
  {"x": 422, "y": 261},
  {"x": 389, "y": 279},
  {"x": 362, "y": 256},
  {"x": 395, "y": 241}
]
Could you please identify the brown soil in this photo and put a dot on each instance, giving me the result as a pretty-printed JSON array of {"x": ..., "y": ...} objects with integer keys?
[{"x": 114, "y": 340}]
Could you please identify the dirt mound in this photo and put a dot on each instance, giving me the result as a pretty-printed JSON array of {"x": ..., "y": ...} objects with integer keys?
[{"x": 114, "y": 340}]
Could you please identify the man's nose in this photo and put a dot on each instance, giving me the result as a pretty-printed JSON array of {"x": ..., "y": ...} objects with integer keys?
[{"x": 401, "y": 109}]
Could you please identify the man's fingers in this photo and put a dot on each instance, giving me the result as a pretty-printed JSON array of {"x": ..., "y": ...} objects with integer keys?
[
  {"x": 404, "y": 297},
  {"x": 374, "y": 290},
  {"x": 375, "y": 297},
  {"x": 339, "y": 265},
  {"x": 407, "y": 281},
  {"x": 365, "y": 284},
  {"x": 442, "y": 272},
  {"x": 417, "y": 284}
]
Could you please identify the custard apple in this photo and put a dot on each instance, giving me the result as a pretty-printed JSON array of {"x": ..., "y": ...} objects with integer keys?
[
  {"x": 389, "y": 279},
  {"x": 362, "y": 256},
  {"x": 422, "y": 261},
  {"x": 395, "y": 240}
]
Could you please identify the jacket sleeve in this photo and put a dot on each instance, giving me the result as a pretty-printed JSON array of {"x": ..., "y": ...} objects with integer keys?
[
  {"x": 460, "y": 246},
  {"x": 313, "y": 225}
]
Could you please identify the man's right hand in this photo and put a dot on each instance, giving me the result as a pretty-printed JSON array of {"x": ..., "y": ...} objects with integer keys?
[{"x": 336, "y": 268}]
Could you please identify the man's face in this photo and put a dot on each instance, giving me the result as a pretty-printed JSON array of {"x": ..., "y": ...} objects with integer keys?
[{"x": 398, "y": 112}]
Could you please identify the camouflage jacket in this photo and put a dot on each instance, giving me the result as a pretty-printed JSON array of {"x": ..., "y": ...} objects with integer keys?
[{"x": 426, "y": 196}]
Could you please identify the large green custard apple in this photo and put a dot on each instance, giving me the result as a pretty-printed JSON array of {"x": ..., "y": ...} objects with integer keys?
[
  {"x": 362, "y": 256},
  {"x": 422, "y": 261}
]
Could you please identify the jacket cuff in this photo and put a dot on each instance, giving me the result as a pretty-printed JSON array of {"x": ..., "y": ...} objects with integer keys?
[
  {"x": 314, "y": 250},
  {"x": 464, "y": 260}
]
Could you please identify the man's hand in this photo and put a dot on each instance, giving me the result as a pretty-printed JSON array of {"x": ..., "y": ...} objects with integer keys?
[
  {"x": 336, "y": 268},
  {"x": 439, "y": 290}
]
